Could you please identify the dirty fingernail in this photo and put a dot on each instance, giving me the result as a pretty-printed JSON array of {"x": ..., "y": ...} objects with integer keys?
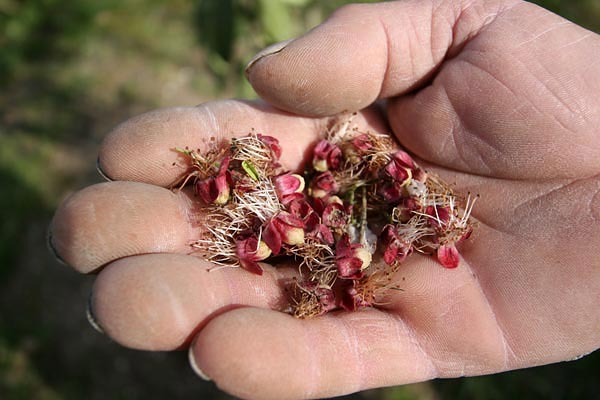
[
  {"x": 89, "y": 313},
  {"x": 267, "y": 51},
  {"x": 194, "y": 366},
  {"x": 52, "y": 248},
  {"x": 101, "y": 172}
]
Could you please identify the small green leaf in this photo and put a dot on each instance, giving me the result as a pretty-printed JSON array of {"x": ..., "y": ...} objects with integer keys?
[
  {"x": 183, "y": 151},
  {"x": 250, "y": 170}
]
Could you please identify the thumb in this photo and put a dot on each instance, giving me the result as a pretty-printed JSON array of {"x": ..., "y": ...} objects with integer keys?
[{"x": 364, "y": 52}]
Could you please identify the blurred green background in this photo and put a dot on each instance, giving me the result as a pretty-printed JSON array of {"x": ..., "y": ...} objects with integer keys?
[{"x": 71, "y": 70}]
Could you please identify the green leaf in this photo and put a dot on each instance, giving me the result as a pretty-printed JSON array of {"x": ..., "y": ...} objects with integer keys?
[{"x": 250, "y": 170}]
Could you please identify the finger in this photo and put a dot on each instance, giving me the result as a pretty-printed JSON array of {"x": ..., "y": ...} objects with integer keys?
[
  {"x": 157, "y": 301},
  {"x": 365, "y": 52},
  {"x": 117, "y": 219},
  {"x": 256, "y": 353},
  {"x": 514, "y": 104},
  {"x": 420, "y": 335},
  {"x": 143, "y": 148}
]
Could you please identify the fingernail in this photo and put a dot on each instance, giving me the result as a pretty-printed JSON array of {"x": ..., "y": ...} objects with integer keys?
[
  {"x": 89, "y": 313},
  {"x": 194, "y": 366},
  {"x": 267, "y": 51},
  {"x": 52, "y": 248},
  {"x": 101, "y": 172}
]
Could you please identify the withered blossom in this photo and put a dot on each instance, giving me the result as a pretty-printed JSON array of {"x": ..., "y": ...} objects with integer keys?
[{"x": 361, "y": 208}]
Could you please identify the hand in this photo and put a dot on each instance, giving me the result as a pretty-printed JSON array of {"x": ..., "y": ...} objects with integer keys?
[{"x": 500, "y": 97}]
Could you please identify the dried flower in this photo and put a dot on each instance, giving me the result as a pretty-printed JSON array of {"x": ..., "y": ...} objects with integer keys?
[
  {"x": 394, "y": 248},
  {"x": 272, "y": 143},
  {"x": 351, "y": 299},
  {"x": 335, "y": 215},
  {"x": 289, "y": 187},
  {"x": 284, "y": 228},
  {"x": 400, "y": 167},
  {"x": 326, "y": 156},
  {"x": 249, "y": 251},
  {"x": 351, "y": 259},
  {"x": 390, "y": 204},
  {"x": 323, "y": 185},
  {"x": 216, "y": 190},
  {"x": 448, "y": 256},
  {"x": 362, "y": 143}
]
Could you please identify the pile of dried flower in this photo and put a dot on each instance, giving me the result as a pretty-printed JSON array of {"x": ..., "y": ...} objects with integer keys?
[{"x": 361, "y": 200}]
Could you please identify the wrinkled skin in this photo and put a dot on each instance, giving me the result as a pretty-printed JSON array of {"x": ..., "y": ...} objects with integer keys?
[{"x": 500, "y": 97}]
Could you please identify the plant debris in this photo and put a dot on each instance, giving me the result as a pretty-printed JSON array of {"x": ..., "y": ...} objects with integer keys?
[{"x": 350, "y": 220}]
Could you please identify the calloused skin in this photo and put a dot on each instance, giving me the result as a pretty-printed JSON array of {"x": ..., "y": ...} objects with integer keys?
[{"x": 500, "y": 97}]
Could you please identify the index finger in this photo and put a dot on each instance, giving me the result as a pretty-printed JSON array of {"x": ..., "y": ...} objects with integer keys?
[{"x": 143, "y": 148}]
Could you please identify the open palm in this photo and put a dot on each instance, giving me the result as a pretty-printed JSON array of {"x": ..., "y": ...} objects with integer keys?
[{"x": 497, "y": 96}]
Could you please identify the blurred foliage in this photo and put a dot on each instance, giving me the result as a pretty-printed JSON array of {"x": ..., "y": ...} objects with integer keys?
[{"x": 71, "y": 70}]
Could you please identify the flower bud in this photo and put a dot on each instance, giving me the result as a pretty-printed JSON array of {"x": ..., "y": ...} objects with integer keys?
[
  {"x": 448, "y": 256},
  {"x": 351, "y": 299},
  {"x": 394, "y": 249},
  {"x": 216, "y": 190},
  {"x": 326, "y": 156},
  {"x": 323, "y": 185},
  {"x": 351, "y": 259},
  {"x": 400, "y": 167},
  {"x": 283, "y": 228},
  {"x": 272, "y": 143},
  {"x": 288, "y": 186},
  {"x": 335, "y": 216},
  {"x": 249, "y": 251}
]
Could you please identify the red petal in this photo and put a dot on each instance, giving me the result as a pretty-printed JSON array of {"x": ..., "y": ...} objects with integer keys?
[
  {"x": 251, "y": 266},
  {"x": 403, "y": 159},
  {"x": 396, "y": 171},
  {"x": 224, "y": 165},
  {"x": 362, "y": 142},
  {"x": 390, "y": 253},
  {"x": 207, "y": 190},
  {"x": 324, "y": 234},
  {"x": 349, "y": 267},
  {"x": 438, "y": 214},
  {"x": 272, "y": 144},
  {"x": 448, "y": 256},
  {"x": 391, "y": 192},
  {"x": 334, "y": 215},
  {"x": 272, "y": 238},
  {"x": 351, "y": 300},
  {"x": 286, "y": 184},
  {"x": 326, "y": 299},
  {"x": 343, "y": 248},
  {"x": 288, "y": 219}
]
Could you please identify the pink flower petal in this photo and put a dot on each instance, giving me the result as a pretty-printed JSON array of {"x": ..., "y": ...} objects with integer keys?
[
  {"x": 334, "y": 215},
  {"x": 326, "y": 299},
  {"x": 362, "y": 143},
  {"x": 403, "y": 159},
  {"x": 272, "y": 237},
  {"x": 397, "y": 171},
  {"x": 351, "y": 300},
  {"x": 288, "y": 184},
  {"x": 252, "y": 266},
  {"x": 326, "y": 155},
  {"x": 448, "y": 256},
  {"x": 439, "y": 215},
  {"x": 324, "y": 234},
  {"x": 272, "y": 144},
  {"x": 349, "y": 267},
  {"x": 323, "y": 185}
]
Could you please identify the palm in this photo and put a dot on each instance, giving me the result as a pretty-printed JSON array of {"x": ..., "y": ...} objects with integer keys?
[
  {"x": 520, "y": 134},
  {"x": 525, "y": 143}
]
